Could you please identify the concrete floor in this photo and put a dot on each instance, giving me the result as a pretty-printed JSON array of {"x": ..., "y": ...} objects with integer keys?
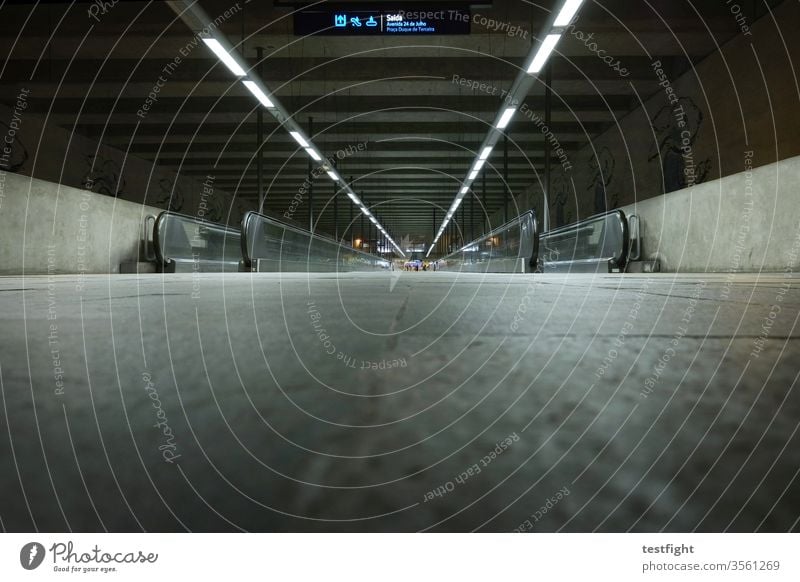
[{"x": 537, "y": 403}]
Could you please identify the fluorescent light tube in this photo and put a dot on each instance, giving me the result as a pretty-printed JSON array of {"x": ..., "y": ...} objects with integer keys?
[
  {"x": 464, "y": 190},
  {"x": 260, "y": 95},
  {"x": 299, "y": 139},
  {"x": 478, "y": 165},
  {"x": 567, "y": 12},
  {"x": 352, "y": 197},
  {"x": 314, "y": 155},
  {"x": 365, "y": 211},
  {"x": 333, "y": 176},
  {"x": 486, "y": 153},
  {"x": 505, "y": 119},
  {"x": 547, "y": 46},
  {"x": 372, "y": 220},
  {"x": 223, "y": 55},
  {"x": 473, "y": 175}
]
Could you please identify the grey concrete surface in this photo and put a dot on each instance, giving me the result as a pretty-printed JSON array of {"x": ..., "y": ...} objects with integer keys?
[
  {"x": 742, "y": 222},
  {"x": 49, "y": 228},
  {"x": 209, "y": 402}
]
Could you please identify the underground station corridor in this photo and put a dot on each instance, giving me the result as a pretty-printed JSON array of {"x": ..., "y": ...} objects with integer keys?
[{"x": 309, "y": 267}]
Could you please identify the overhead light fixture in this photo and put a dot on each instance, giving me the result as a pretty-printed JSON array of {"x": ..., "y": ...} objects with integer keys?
[
  {"x": 479, "y": 165},
  {"x": 464, "y": 190},
  {"x": 224, "y": 56},
  {"x": 372, "y": 220},
  {"x": 547, "y": 46},
  {"x": 259, "y": 94},
  {"x": 567, "y": 13},
  {"x": 298, "y": 137},
  {"x": 505, "y": 119},
  {"x": 191, "y": 13},
  {"x": 487, "y": 151},
  {"x": 473, "y": 175}
]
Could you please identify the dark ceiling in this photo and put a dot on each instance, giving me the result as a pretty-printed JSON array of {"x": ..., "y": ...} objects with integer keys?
[{"x": 396, "y": 94}]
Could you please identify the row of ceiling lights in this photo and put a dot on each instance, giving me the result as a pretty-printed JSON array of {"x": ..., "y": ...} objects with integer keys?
[
  {"x": 522, "y": 85},
  {"x": 228, "y": 57}
]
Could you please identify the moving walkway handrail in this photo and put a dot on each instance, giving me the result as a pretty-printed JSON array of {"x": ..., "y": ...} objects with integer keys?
[
  {"x": 528, "y": 243},
  {"x": 614, "y": 235},
  {"x": 250, "y": 230},
  {"x": 211, "y": 243}
]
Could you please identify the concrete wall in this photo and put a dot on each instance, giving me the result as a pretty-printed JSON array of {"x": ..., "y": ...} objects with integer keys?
[
  {"x": 47, "y": 228},
  {"x": 746, "y": 222},
  {"x": 32, "y": 147}
]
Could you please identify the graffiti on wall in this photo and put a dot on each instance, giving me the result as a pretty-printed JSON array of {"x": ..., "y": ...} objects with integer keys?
[
  {"x": 16, "y": 159},
  {"x": 103, "y": 176},
  {"x": 215, "y": 210},
  {"x": 602, "y": 167},
  {"x": 170, "y": 195},
  {"x": 559, "y": 189},
  {"x": 675, "y": 145}
]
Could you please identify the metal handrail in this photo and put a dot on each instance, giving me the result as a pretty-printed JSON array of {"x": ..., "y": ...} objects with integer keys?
[
  {"x": 251, "y": 216},
  {"x": 530, "y": 214},
  {"x": 167, "y": 214}
]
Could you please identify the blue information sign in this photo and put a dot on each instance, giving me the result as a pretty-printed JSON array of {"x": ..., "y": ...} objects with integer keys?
[{"x": 363, "y": 21}]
